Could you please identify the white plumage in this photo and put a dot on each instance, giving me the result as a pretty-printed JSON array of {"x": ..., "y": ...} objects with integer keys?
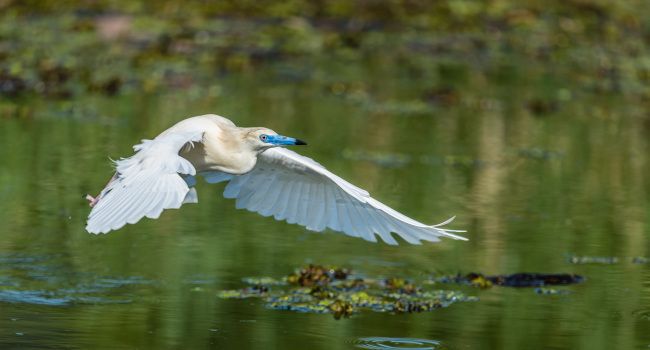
[{"x": 262, "y": 178}]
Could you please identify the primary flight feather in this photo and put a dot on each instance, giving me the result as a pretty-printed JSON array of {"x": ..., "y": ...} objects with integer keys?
[{"x": 262, "y": 177}]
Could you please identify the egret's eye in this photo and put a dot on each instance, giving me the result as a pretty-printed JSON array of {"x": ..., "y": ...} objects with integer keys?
[{"x": 263, "y": 137}]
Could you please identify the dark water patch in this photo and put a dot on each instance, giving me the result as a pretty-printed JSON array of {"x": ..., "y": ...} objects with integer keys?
[
  {"x": 514, "y": 280},
  {"x": 642, "y": 314}
]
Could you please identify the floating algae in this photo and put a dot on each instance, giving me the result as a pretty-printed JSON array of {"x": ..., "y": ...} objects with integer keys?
[
  {"x": 324, "y": 289},
  {"x": 337, "y": 291}
]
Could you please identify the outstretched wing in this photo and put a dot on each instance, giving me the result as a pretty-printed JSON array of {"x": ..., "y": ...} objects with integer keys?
[
  {"x": 146, "y": 183},
  {"x": 295, "y": 188}
]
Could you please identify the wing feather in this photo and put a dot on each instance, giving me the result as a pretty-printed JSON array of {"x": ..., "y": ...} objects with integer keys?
[
  {"x": 283, "y": 201},
  {"x": 147, "y": 183},
  {"x": 344, "y": 215},
  {"x": 294, "y": 188},
  {"x": 272, "y": 198},
  {"x": 292, "y": 207},
  {"x": 333, "y": 221},
  {"x": 318, "y": 208}
]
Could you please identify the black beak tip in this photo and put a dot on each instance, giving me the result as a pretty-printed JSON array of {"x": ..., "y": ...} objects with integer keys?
[{"x": 300, "y": 142}]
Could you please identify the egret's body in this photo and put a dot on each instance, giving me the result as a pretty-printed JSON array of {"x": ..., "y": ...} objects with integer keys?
[{"x": 261, "y": 176}]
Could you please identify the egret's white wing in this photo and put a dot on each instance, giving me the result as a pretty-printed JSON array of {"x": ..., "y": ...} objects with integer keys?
[
  {"x": 146, "y": 183},
  {"x": 295, "y": 188}
]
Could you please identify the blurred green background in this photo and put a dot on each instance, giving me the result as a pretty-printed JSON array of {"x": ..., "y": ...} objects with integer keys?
[{"x": 526, "y": 119}]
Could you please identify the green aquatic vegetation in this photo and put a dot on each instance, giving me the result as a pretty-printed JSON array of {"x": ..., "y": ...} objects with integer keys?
[
  {"x": 321, "y": 289},
  {"x": 560, "y": 53},
  {"x": 317, "y": 274},
  {"x": 341, "y": 308},
  {"x": 478, "y": 280},
  {"x": 400, "y": 285},
  {"x": 327, "y": 289},
  {"x": 351, "y": 284}
]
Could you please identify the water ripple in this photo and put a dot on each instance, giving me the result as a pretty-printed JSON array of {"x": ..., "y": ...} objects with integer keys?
[{"x": 384, "y": 343}]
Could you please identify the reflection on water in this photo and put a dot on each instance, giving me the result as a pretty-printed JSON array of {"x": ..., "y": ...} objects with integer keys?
[
  {"x": 531, "y": 190},
  {"x": 39, "y": 280}
]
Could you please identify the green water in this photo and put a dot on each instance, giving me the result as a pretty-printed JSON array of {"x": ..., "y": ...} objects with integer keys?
[{"x": 531, "y": 189}]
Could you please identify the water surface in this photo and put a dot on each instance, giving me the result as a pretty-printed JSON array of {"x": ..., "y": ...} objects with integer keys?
[{"x": 531, "y": 190}]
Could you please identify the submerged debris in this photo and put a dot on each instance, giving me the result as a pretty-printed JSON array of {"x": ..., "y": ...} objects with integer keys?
[{"x": 514, "y": 280}]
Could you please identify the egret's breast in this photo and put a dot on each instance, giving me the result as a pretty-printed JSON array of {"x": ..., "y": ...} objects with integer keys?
[{"x": 214, "y": 156}]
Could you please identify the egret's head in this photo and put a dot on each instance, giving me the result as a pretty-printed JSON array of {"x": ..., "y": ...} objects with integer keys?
[{"x": 263, "y": 138}]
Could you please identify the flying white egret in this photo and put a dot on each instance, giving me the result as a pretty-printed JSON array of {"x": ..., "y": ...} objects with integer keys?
[{"x": 262, "y": 177}]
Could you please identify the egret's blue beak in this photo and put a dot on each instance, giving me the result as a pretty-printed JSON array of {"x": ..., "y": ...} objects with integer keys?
[{"x": 283, "y": 140}]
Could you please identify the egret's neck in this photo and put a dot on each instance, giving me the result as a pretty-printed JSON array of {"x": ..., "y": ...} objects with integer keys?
[{"x": 222, "y": 150}]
